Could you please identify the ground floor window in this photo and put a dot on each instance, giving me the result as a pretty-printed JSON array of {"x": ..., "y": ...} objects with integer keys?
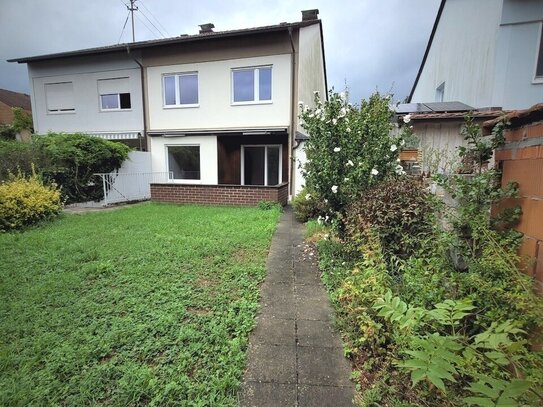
[
  {"x": 261, "y": 165},
  {"x": 184, "y": 162}
]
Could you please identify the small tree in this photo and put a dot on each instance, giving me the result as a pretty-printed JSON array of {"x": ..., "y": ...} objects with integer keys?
[
  {"x": 350, "y": 149},
  {"x": 22, "y": 120}
]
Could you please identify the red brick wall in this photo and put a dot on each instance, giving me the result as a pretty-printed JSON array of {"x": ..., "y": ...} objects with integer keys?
[
  {"x": 522, "y": 162},
  {"x": 218, "y": 194}
]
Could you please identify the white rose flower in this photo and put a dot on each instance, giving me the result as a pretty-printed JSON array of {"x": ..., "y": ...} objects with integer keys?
[
  {"x": 345, "y": 179},
  {"x": 342, "y": 112},
  {"x": 374, "y": 172},
  {"x": 337, "y": 149},
  {"x": 349, "y": 163},
  {"x": 334, "y": 190},
  {"x": 407, "y": 118},
  {"x": 307, "y": 196},
  {"x": 348, "y": 129},
  {"x": 402, "y": 142},
  {"x": 334, "y": 121},
  {"x": 393, "y": 147},
  {"x": 301, "y": 104}
]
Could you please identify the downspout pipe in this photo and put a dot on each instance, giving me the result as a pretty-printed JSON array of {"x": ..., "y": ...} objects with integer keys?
[
  {"x": 293, "y": 105},
  {"x": 142, "y": 76}
]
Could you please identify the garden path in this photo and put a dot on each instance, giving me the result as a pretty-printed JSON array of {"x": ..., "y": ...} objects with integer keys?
[{"x": 295, "y": 357}]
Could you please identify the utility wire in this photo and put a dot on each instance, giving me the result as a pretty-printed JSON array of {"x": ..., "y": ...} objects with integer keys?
[
  {"x": 156, "y": 19},
  {"x": 124, "y": 26},
  {"x": 146, "y": 26},
  {"x": 143, "y": 22},
  {"x": 156, "y": 28}
]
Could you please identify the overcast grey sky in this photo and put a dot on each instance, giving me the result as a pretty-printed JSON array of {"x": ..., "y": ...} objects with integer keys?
[{"x": 369, "y": 44}]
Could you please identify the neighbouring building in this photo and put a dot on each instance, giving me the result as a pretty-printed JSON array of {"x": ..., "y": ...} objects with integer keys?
[
  {"x": 9, "y": 100},
  {"x": 438, "y": 129},
  {"x": 218, "y": 111},
  {"x": 484, "y": 53}
]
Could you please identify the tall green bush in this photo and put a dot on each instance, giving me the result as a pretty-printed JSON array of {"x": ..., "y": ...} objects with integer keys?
[
  {"x": 350, "y": 149},
  {"x": 16, "y": 157},
  {"x": 73, "y": 159}
]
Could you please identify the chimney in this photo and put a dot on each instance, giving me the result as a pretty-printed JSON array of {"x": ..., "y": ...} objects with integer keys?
[
  {"x": 308, "y": 15},
  {"x": 206, "y": 28}
]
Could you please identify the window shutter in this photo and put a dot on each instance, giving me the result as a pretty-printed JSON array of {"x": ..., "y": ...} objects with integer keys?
[
  {"x": 113, "y": 86},
  {"x": 60, "y": 96}
]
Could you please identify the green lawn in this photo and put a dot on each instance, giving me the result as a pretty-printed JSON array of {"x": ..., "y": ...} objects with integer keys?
[{"x": 150, "y": 304}]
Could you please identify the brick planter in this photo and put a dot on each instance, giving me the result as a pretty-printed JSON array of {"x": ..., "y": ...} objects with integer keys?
[{"x": 219, "y": 194}]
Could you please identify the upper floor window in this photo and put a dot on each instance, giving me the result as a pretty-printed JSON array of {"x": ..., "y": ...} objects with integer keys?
[
  {"x": 181, "y": 89},
  {"x": 59, "y": 97},
  {"x": 539, "y": 66},
  {"x": 114, "y": 94},
  {"x": 250, "y": 85}
]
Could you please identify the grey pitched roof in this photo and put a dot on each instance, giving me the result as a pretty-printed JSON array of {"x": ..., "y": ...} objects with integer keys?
[{"x": 168, "y": 41}]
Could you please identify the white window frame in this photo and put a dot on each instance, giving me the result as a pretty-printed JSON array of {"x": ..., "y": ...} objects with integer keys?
[
  {"x": 182, "y": 180},
  {"x": 178, "y": 103},
  {"x": 256, "y": 90},
  {"x": 118, "y": 109},
  {"x": 71, "y": 111},
  {"x": 280, "y": 178},
  {"x": 538, "y": 79}
]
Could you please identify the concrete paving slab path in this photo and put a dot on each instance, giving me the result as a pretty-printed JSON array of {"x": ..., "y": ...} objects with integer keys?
[{"x": 295, "y": 357}]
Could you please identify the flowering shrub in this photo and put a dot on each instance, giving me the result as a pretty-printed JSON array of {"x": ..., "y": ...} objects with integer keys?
[
  {"x": 25, "y": 201},
  {"x": 350, "y": 149}
]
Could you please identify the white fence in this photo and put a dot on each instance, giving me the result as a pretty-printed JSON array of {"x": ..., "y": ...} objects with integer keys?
[{"x": 126, "y": 187}]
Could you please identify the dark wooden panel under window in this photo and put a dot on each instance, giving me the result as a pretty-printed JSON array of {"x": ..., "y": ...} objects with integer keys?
[{"x": 229, "y": 155}]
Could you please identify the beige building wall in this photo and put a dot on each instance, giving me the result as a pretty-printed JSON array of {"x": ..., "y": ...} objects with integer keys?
[{"x": 215, "y": 109}]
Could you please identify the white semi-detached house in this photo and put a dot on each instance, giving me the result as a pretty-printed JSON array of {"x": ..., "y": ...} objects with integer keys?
[{"x": 218, "y": 111}]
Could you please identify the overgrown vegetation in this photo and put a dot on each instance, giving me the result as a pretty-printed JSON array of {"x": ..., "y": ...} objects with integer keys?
[
  {"x": 25, "y": 201},
  {"x": 22, "y": 120},
  {"x": 67, "y": 160},
  {"x": 399, "y": 211},
  {"x": 148, "y": 305},
  {"x": 430, "y": 298}
]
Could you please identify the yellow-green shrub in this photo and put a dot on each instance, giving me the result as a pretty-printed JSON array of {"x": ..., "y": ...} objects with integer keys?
[{"x": 25, "y": 201}]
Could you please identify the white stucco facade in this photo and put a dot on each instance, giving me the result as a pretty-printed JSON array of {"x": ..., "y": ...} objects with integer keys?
[
  {"x": 311, "y": 79},
  {"x": 208, "y": 155},
  {"x": 83, "y": 75},
  {"x": 484, "y": 54},
  {"x": 215, "y": 108}
]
